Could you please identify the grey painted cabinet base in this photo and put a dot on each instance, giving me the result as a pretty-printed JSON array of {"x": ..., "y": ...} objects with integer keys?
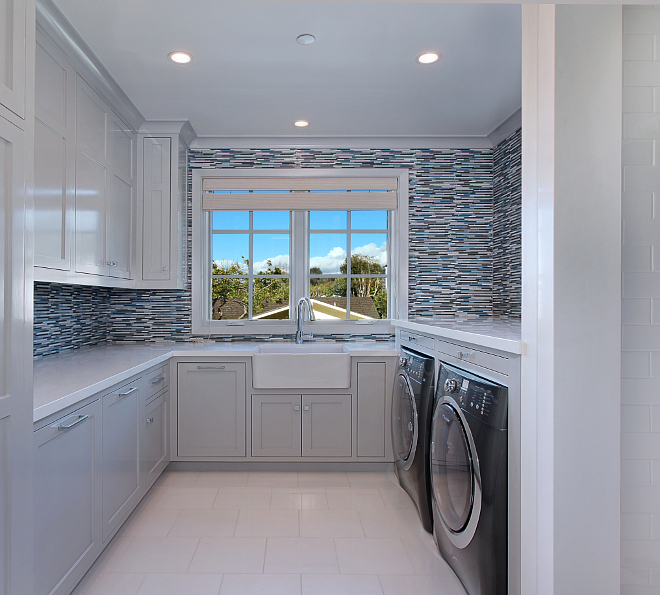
[
  {"x": 155, "y": 438},
  {"x": 211, "y": 409},
  {"x": 121, "y": 456},
  {"x": 67, "y": 499},
  {"x": 311, "y": 425}
]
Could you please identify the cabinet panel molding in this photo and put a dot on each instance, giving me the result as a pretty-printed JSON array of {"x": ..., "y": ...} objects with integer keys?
[
  {"x": 13, "y": 33},
  {"x": 327, "y": 427},
  {"x": 371, "y": 409},
  {"x": 276, "y": 425},
  {"x": 211, "y": 409}
]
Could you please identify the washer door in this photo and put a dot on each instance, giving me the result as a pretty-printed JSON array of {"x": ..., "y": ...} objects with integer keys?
[
  {"x": 404, "y": 421},
  {"x": 455, "y": 477}
]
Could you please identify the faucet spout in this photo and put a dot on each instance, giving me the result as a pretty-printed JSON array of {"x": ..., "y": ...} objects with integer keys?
[{"x": 300, "y": 318}]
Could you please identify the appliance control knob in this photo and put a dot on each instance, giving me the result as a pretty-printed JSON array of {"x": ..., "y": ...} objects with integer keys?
[
  {"x": 451, "y": 386},
  {"x": 403, "y": 362}
]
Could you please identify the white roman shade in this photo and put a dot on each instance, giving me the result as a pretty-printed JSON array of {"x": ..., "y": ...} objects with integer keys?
[{"x": 303, "y": 193}]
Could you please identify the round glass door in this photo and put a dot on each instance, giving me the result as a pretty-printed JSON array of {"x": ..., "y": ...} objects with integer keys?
[
  {"x": 452, "y": 474},
  {"x": 404, "y": 419}
]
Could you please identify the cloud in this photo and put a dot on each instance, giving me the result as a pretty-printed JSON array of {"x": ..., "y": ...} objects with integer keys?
[
  {"x": 330, "y": 263},
  {"x": 281, "y": 261},
  {"x": 377, "y": 252}
]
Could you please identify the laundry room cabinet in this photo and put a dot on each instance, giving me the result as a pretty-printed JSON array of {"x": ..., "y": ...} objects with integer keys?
[
  {"x": 68, "y": 498},
  {"x": 311, "y": 425},
  {"x": 211, "y": 409},
  {"x": 121, "y": 455}
]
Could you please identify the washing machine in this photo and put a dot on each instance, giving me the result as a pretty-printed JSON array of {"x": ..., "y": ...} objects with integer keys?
[
  {"x": 469, "y": 478},
  {"x": 412, "y": 407}
]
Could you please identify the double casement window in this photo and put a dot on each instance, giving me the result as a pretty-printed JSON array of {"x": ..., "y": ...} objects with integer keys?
[{"x": 263, "y": 241}]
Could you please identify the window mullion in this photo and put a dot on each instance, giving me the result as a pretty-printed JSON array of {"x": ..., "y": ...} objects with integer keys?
[{"x": 299, "y": 257}]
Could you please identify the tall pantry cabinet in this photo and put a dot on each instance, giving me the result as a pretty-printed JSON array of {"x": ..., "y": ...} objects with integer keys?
[{"x": 16, "y": 150}]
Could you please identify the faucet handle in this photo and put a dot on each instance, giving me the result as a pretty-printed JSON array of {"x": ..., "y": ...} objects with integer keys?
[{"x": 309, "y": 337}]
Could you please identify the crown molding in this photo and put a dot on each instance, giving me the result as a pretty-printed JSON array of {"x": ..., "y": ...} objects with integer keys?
[
  {"x": 54, "y": 24},
  {"x": 512, "y": 124},
  {"x": 183, "y": 128},
  {"x": 343, "y": 142}
]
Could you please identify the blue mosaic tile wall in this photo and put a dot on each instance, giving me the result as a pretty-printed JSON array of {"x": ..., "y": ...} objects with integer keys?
[
  {"x": 507, "y": 225},
  {"x": 69, "y": 316},
  {"x": 464, "y": 254},
  {"x": 450, "y": 215}
]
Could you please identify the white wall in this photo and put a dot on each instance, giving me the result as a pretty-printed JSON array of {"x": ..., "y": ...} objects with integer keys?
[
  {"x": 571, "y": 312},
  {"x": 640, "y": 357}
]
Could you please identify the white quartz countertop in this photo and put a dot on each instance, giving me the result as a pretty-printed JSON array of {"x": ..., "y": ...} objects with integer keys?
[
  {"x": 494, "y": 333},
  {"x": 67, "y": 378}
]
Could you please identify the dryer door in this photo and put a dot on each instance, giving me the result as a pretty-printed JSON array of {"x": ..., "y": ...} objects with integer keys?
[
  {"x": 455, "y": 478},
  {"x": 404, "y": 421}
]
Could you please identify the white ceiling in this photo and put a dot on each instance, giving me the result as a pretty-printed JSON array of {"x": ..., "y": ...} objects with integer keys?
[{"x": 249, "y": 77}]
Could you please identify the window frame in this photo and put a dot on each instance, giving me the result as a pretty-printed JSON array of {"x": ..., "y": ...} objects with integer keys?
[{"x": 203, "y": 325}]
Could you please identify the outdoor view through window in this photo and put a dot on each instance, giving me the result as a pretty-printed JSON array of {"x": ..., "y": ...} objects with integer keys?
[{"x": 252, "y": 264}]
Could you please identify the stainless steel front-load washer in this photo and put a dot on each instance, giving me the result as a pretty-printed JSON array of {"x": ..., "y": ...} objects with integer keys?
[
  {"x": 412, "y": 406},
  {"x": 469, "y": 479}
]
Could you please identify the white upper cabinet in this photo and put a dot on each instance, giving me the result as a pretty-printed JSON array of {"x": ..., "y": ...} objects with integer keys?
[
  {"x": 13, "y": 29},
  {"x": 104, "y": 188},
  {"x": 161, "y": 211},
  {"x": 54, "y": 157}
]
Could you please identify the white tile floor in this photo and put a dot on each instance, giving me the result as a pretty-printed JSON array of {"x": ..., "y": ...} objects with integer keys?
[{"x": 272, "y": 533}]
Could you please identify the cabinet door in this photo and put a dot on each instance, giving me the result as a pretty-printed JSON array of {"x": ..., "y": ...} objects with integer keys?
[
  {"x": 156, "y": 212},
  {"x": 13, "y": 63},
  {"x": 276, "y": 425},
  {"x": 154, "y": 439},
  {"x": 326, "y": 426},
  {"x": 121, "y": 456},
  {"x": 91, "y": 181},
  {"x": 67, "y": 500},
  {"x": 371, "y": 409},
  {"x": 211, "y": 410},
  {"x": 119, "y": 201},
  {"x": 54, "y": 157}
]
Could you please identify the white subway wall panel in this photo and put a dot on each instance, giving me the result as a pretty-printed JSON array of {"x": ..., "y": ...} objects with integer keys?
[
  {"x": 640, "y": 21},
  {"x": 635, "y": 472},
  {"x": 637, "y": 205},
  {"x": 638, "y": 99},
  {"x": 635, "y": 418},
  {"x": 655, "y": 418},
  {"x": 636, "y": 258},
  {"x": 639, "y": 391},
  {"x": 635, "y": 526},
  {"x": 635, "y": 576},
  {"x": 636, "y": 311},
  {"x": 655, "y": 472},
  {"x": 635, "y": 364},
  {"x": 638, "y": 47},
  {"x": 637, "y": 152},
  {"x": 655, "y": 527},
  {"x": 655, "y": 364}
]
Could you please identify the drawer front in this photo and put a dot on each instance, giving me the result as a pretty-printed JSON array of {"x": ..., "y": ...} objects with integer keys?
[
  {"x": 486, "y": 360},
  {"x": 417, "y": 339},
  {"x": 156, "y": 381}
]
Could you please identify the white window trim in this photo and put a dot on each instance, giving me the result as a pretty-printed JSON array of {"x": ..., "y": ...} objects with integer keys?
[{"x": 398, "y": 256}]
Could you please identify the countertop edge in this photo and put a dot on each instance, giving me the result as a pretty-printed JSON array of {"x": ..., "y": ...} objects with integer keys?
[
  {"x": 512, "y": 346},
  {"x": 58, "y": 405}
]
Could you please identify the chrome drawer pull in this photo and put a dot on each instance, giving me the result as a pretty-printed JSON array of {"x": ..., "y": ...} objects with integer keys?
[
  {"x": 210, "y": 367},
  {"x": 81, "y": 418},
  {"x": 150, "y": 420},
  {"x": 158, "y": 380},
  {"x": 130, "y": 391}
]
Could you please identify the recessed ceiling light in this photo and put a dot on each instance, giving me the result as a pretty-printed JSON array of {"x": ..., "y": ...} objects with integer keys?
[
  {"x": 428, "y": 58},
  {"x": 301, "y": 123},
  {"x": 180, "y": 57},
  {"x": 305, "y": 39}
]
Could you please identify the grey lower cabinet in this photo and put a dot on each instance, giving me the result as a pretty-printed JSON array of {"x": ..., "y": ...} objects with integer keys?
[
  {"x": 121, "y": 455},
  {"x": 67, "y": 494},
  {"x": 155, "y": 439},
  {"x": 310, "y": 425},
  {"x": 211, "y": 409}
]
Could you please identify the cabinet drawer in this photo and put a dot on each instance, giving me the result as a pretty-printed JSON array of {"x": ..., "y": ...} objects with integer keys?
[
  {"x": 156, "y": 381},
  {"x": 417, "y": 339},
  {"x": 486, "y": 360}
]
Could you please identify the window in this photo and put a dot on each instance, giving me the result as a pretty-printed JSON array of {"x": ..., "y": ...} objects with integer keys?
[{"x": 260, "y": 243}]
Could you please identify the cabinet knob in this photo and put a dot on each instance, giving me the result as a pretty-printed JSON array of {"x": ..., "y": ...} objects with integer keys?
[
  {"x": 150, "y": 420},
  {"x": 306, "y": 407},
  {"x": 296, "y": 407}
]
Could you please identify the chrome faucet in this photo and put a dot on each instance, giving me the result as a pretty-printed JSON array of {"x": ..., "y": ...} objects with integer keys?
[{"x": 299, "y": 313}]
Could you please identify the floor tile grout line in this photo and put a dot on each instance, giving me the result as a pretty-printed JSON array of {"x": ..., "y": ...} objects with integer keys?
[{"x": 199, "y": 539}]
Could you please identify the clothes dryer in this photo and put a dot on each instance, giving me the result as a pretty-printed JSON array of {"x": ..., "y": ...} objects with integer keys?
[
  {"x": 412, "y": 407},
  {"x": 469, "y": 479}
]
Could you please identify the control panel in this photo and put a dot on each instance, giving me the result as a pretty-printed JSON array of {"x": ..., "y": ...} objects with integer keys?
[
  {"x": 477, "y": 396},
  {"x": 417, "y": 366}
]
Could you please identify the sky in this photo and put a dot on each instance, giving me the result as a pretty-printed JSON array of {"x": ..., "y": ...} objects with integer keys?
[{"x": 327, "y": 250}]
